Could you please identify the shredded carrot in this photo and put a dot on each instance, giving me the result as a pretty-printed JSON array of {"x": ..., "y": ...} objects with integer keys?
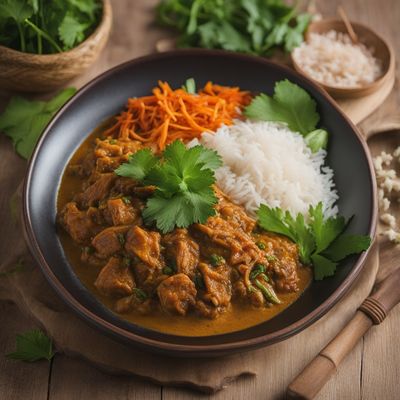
[{"x": 170, "y": 114}]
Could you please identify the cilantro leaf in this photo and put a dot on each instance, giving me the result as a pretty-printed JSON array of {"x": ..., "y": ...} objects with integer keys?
[
  {"x": 290, "y": 104},
  {"x": 88, "y": 7},
  {"x": 231, "y": 39},
  {"x": 71, "y": 31},
  {"x": 138, "y": 165},
  {"x": 320, "y": 242},
  {"x": 32, "y": 346},
  {"x": 346, "y": 245},
  {"x": 323, "y": 267},
  {"x": 325, "y": 231},
  {"x": 294, "y": 35},
  {"x": 304, "y": 236},
  {"x": 18, "y": 10},
  {"x": 209, "y": 158},
  {"x": 24, "y": 120},
  {"x": 183, "y": 179},
  {"x": 273, "y": 220},
  {"x": 180, "y": 210}
]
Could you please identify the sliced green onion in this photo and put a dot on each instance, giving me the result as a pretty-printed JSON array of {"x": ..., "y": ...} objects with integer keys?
[
  {"x": 268, "y": 292},
  {"x": 140, "y": 294}
]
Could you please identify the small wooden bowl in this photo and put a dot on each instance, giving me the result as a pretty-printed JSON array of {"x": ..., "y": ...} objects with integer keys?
[
  {"x": 382, "y": 51},
  {"x": 28, "y": 72}
]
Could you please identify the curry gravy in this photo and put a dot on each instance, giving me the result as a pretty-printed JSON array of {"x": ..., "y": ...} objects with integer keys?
[{"x": 238, "y": 316}]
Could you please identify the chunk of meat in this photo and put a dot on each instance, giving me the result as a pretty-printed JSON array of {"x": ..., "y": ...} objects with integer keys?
[
  {"x": 233, "y": 213},
  {"x": 182, "y": 250},
  {"x": 85, "y": 165},
  {"x": 107, "y": 164},
  {"x": 132, "y": 303},
  {"x": 115, "y": 279},
  {"x": 121, "y": 213},
  {"x": 286, "y": 277},
  {"x": 207, "y": 310},
  {"x": 218, "y": 286},
  {"x": 78, "y": 224},
  {"x": 107, "y": 148},
  {"x": 177, "y": 293},
  {"x": 286, "y": 264},
  {"x": 111, "y": 147},
  {"x": 240, "y": 244},
  {"x": 97, "y": 191},
  {"x": 144, "y": 245},
  {"x": 109, "y": 241}
]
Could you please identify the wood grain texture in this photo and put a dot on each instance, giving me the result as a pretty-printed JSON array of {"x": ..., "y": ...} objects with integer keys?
[
  {"x": 77, "y": 380},
  {"x": 19, "y": 380}
]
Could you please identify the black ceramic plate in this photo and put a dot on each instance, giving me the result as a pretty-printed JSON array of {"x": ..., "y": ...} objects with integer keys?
[{"x": 107, "y": 95}]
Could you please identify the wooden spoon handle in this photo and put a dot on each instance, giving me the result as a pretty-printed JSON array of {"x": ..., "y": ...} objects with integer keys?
[
  {"x": 389, "y": 123},
  {"x": 314, "y": 376},
  {"x": 373, "y": 310}
]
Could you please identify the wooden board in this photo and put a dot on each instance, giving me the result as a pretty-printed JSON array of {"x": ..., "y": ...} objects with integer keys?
[{"x": 359, "y": 109}]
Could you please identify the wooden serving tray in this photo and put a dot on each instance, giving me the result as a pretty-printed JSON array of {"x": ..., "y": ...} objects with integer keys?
[{"x": 360, "y": 108}]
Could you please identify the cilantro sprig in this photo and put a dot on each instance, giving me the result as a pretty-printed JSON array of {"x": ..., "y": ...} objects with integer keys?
[
  {"x": 321, "y": 242},
  {"x": 293, "y": 106},
  {"x": 183, "y": 179},
  {"x": 32, "y": 346}
]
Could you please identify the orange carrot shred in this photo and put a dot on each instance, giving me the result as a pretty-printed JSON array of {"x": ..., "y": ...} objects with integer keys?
[{"x": 168, "y": 114}]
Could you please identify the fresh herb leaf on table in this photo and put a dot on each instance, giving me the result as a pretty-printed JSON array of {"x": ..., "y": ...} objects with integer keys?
[
  {"x": 321, "y": 242},
  {"x": 293, "y": 106},
  {"x": 24, "y": 120},
  {"x": 32, "y": 346},
  {"x": 251, "y": 26},
  {"x": 47, "y": 26},
  {"x": 183, "y": 179},
  {"x": 18, "y": 267}
]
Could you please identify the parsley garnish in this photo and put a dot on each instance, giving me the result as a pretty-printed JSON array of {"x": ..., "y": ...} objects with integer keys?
[
  {"x": 293, "y": 106},
  {"x": 32, "y": 346},
  {"x": 183, "y": 179},
  {"x": 24, "y": 120},
  {"x": 321, "y": 242}
]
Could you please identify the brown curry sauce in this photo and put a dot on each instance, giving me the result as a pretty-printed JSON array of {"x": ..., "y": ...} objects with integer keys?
[{"x": 238, "y": 313}]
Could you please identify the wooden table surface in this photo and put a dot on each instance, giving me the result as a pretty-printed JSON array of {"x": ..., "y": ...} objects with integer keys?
[{"x": 370, "y": 372}]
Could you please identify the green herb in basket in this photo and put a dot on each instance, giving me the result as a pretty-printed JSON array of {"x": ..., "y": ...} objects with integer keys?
[
  {"x": 251, "y": 26},
  {"x": 47, "y": 26}
]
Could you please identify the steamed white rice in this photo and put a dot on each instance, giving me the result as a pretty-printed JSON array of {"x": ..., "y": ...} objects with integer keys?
[{"x": 265, "y": 162}]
